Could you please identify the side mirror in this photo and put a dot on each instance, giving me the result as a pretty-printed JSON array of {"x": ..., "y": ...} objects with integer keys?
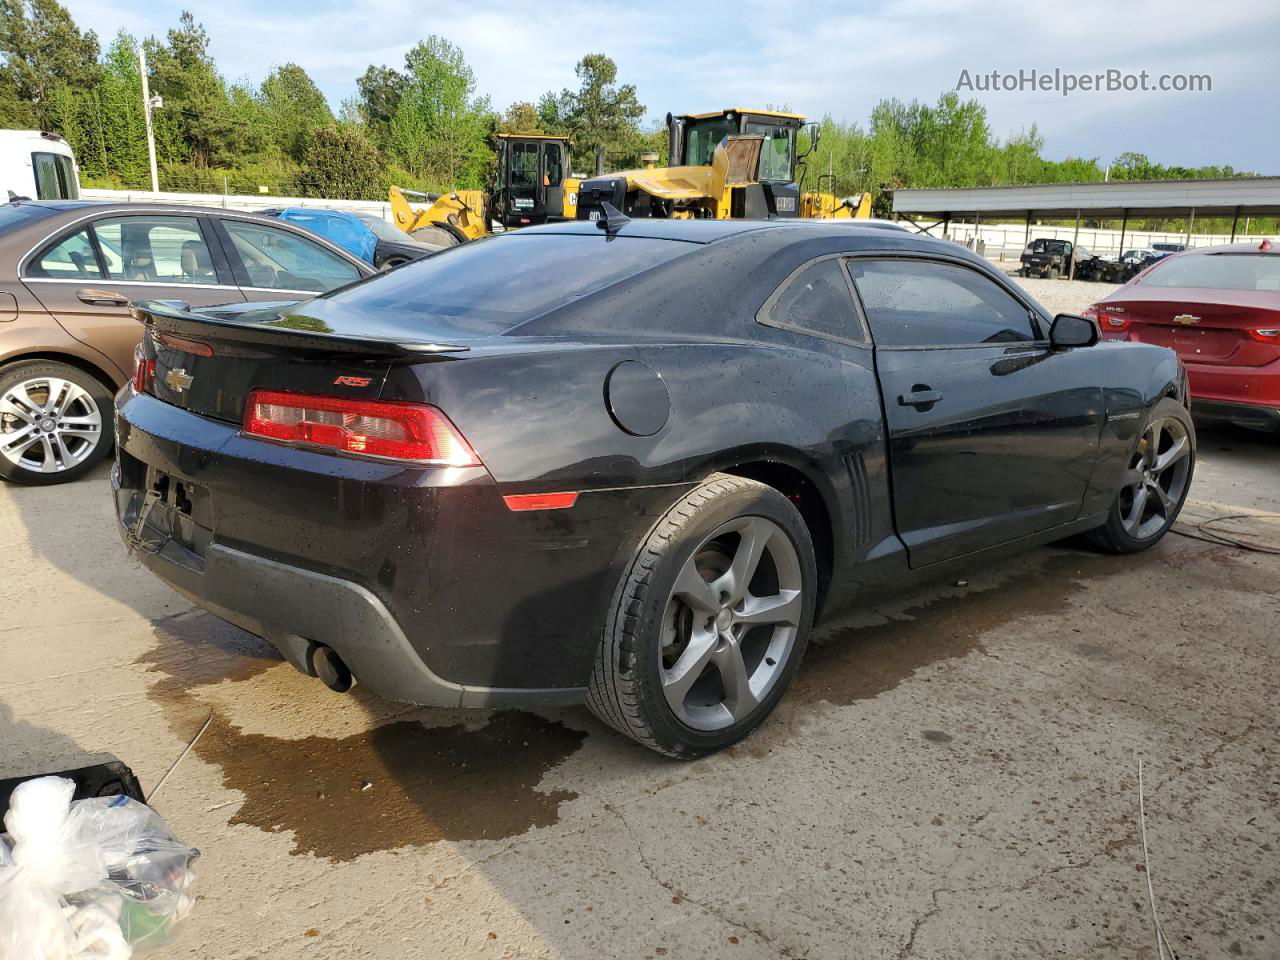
[{"x": 1068, "y": 330}]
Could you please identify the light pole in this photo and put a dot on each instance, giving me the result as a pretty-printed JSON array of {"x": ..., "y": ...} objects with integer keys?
[{"x": 149, "y": 103}]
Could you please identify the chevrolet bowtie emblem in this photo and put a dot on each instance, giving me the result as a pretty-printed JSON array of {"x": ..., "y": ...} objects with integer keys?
[
  {"x": 178, "y": 379},
  {"x": 1186, "y": 318}
]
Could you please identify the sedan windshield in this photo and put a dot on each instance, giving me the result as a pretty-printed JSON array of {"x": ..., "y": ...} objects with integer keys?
[{"x": 1221, "y": 271}]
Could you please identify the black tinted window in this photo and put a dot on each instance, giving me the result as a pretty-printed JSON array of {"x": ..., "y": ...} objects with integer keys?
[
  {"x": 816, "y": 300},
  {"x": 488, "y": 286},
  {"x": 914, "y": 303}
]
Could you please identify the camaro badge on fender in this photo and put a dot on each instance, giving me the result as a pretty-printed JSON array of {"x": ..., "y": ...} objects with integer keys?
[{"x": 178, "y": 379}]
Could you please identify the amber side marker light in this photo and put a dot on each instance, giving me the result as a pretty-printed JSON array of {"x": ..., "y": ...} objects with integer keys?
[{"x": 412, "y": 432}]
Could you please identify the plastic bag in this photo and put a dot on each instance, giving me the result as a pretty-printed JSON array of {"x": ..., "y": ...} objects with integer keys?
[{"x": 96, "y": 879}]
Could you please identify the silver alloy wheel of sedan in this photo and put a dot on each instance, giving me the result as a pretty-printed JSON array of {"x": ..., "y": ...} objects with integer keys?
[
  {"x": 730, "y": 623},
  {"x": 1157, "y": 479},
  {"x": 48, "y": 425}
]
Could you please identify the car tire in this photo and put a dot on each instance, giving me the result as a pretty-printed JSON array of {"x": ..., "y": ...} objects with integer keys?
[
  {"x": 436, "y": 236},
  {"x": 687, "y": 667},
  {"x": 41, "y": 444},
  {"x": 1165, "y": 475}
]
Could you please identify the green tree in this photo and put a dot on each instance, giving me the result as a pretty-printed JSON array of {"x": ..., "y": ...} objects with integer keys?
[
  {"x": 440, "y": 127},
  {"x": 521, "y": 117},
  {"x": 43, "y": 51},
  {"x": 201, "y": 120},
  {"x": 379, "y": 92},
  {"x": 599, "y": 115},
  {"x": 293, "y": 107},
  {"x": 342, "y": 163}
]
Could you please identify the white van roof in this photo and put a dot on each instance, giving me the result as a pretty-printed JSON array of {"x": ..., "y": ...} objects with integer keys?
[{"x": 52, "y": 142}]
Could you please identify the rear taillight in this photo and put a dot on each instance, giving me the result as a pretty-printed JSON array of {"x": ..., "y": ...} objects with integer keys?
[
  {"x": 369, "y": 428},
  {"x": 1109, "y": 319},
  {"x": 1266, "y": 335},
  {"x": 144, "y": 370}
]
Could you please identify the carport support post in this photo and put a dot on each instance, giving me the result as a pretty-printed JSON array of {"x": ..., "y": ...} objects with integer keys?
[
  {"x": 1026, "y": 240},
  {"x": 1124, "y": 222},
  {"x": 977, "y": 232},
  {"x": 1234, "y": 220},
  {"x": 1191, "y": 222},
  {"x": 1075, "y": 242}
]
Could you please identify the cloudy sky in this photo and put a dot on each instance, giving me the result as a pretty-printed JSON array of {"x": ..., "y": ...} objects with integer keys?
[{"x": 831, "y": 57}]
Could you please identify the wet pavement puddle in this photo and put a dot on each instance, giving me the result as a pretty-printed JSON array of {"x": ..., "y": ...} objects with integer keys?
[
  {"x": 399, "y": 784},
  {"x": 403, "y": 783}
]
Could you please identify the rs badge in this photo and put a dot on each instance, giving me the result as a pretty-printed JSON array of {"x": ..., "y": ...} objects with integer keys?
[{"x": 352, "y": 381}]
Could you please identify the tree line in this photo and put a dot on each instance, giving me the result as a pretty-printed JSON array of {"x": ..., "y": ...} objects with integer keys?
[{"x": 423, "y": 124}]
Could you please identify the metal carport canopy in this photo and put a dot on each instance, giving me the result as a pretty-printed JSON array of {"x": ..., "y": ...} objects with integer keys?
[{"x": 1243, "y": 196}]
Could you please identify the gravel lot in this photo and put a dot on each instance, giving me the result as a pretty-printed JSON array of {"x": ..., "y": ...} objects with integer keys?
[
  {"x": 953, "y": 774},
  {"x": 1061, "y": 296}
]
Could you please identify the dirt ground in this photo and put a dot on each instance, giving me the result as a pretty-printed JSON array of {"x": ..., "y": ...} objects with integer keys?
[{"x": 952, "y": 775}]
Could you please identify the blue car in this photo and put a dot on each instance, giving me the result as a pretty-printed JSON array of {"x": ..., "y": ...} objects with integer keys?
[{"x": 367, "y": 236}]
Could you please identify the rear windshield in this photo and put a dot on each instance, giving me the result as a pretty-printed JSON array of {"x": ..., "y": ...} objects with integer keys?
[
  {"x": 489, "y": 286},
  {"x": 14, "y": 216},
  {"x": 1219, "y": 271}
]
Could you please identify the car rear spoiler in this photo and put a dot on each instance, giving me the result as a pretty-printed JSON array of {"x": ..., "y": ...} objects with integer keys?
[{"x": 167, "y": 317}]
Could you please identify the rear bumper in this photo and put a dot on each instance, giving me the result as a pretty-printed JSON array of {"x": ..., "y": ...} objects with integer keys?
[
  {"x": 293, "y": 608},
  {"x": 420, "y": 579}
]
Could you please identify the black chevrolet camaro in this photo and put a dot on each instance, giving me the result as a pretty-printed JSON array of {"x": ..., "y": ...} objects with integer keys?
[{"x": 628, "y": 466}]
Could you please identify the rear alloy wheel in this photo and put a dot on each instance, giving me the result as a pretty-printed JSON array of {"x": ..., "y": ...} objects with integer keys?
[
  {"x": 55, "y": 422},
  {"x": 710, "y": 621},
  {"x": 1156, "y": 483}
]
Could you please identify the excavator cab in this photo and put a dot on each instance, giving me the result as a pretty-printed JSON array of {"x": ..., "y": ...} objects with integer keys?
[{"x": 533, "y": 184}]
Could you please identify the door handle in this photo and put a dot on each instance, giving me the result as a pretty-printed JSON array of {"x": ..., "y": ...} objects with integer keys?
[
  {"x": 921, "y": 397},
  {"x": 102, "y": 298}
]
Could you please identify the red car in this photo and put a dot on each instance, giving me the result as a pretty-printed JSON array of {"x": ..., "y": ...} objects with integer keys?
[{"x": 1219, "y": 308}]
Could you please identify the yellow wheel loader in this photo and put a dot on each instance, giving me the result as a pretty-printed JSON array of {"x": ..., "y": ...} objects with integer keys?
[
  {"x": 736, "y": 163},
  {"x": 532, "y": 185}
]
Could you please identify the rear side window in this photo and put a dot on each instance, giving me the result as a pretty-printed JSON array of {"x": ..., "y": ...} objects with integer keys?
[
  {"x": 155, "y": 250},
  {"x": 816, "y": 300},
  {"x": 55, "y": 177},
  {"x": 280, "y": 260},
  {"x": 71, "y": 258},
  {"x": 488, "y": 286},
  {"x": 1219, "y": 271},
  {"x": 918, "y": 303}
]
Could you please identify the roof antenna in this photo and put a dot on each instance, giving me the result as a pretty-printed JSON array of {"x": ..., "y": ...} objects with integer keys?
[{"x": 613, "y": 219}]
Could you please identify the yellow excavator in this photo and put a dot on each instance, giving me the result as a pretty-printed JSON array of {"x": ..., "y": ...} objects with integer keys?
[
  {"x": 532, "y": 185},
  {"x": 736, "y": 163}
]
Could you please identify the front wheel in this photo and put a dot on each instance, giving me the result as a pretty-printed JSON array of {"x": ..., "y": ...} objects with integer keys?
[
  {"x": 709, "y": 622},
  {"x": 55, "y": 422},
  {"x": 1155, "y": 485}
]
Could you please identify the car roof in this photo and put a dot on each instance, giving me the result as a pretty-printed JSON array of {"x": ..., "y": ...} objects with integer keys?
[
  {"x": 1251, "y": 247},
  {"x": 710, "y": 231}
]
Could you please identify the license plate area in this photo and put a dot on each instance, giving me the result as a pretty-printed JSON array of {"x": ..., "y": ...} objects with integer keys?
[{"x": 172, "y": 517}]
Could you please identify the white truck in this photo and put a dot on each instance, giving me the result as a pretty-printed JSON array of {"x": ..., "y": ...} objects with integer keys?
[{"x": 37, "y": 165}]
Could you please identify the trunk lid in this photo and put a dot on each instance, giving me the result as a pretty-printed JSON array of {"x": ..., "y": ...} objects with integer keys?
[
  {"x": 1197, "y": 323},
  {"x": 209, "y": 361}
]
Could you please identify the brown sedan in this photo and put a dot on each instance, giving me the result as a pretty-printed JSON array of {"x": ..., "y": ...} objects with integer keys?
[{"x": 68, "y": 270}]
